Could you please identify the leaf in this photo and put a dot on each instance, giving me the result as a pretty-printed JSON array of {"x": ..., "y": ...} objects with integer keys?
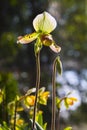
[
  {"x": 59, "y": 65},
  {"x": 68, "y": 128},
  {"x": 1, "y": 96},
  {"x": 40, "y": 118},
  {"x": 45, "y": 126},
  {"x": 44, "y": 22},
  {"x": 11, "y": 107},
  {"x": 37, "y": 126},
  {"x": 5, "y": 127},
  {"x": 27, "y": 38}
]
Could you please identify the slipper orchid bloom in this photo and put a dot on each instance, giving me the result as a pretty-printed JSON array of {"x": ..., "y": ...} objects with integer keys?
[{"x": 43, "y": 24}]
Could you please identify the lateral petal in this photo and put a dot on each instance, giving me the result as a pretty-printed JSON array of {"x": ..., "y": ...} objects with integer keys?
[{"x": 27, "y": 38}]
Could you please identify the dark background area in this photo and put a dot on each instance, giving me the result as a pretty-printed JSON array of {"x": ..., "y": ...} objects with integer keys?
[{"x": 18, "y": 61}]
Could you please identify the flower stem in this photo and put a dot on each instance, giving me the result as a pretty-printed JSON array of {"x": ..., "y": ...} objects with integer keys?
[
  {"x": 37, "y": 86},
  {"x": 53, "y": 96}
]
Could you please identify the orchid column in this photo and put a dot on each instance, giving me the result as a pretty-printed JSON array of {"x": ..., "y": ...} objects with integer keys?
[{"x": 43, "y": 24}]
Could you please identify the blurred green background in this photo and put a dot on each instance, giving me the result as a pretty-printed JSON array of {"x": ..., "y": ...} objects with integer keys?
[{"x": 17, "y": 62}]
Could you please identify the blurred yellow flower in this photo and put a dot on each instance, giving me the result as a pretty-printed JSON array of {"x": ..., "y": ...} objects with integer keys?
[
  {"x": 29, "y": 100},
  {"x": 18, "y": 121},
  {"x": 71, "y": 100},
  {"x": 43, "y": 96}
]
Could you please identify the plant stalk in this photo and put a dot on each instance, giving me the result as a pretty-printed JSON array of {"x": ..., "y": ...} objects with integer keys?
[
  {"x": 37, "y": 86},
  {"x": 53, "y": 96}
]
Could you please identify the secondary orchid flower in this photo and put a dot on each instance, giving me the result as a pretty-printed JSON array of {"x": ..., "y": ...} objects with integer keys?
[
  {"x": 70, "y": 100},
  {"x": 43, "y": 24}
]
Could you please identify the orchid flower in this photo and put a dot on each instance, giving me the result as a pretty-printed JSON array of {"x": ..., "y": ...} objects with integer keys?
[
  {"x": 43, "y": 24},
  {"x": 69, "y": 101}
]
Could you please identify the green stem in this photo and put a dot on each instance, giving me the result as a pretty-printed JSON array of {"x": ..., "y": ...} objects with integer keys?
[
  {"x": 37, "y": 86},
  {"x": 53, "y": 96}
]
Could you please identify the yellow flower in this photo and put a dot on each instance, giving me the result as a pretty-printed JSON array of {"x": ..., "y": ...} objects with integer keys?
[
  {"x": 43, "y": 96},
  {"x": 30, "y": 100},
  {"x": 43, "y": 24},
  {"x": 71, "y": 100},
  {"x": 18, "y": 121}
]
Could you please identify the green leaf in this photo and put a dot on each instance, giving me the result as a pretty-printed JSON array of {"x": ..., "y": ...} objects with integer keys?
[
  {"x": 68, "y": 128},
  {"x": 5, "y": 127},
  {"x": 38, "y": 127},
  {"x": 11, "y": 107},
  {"x": 44, "y": 22},
  {"x": 45, "y": 126},
  {"x": 59, "y": 65},
  {"x": 1, "y": 96},
  {"x": 40, "y": 119}
]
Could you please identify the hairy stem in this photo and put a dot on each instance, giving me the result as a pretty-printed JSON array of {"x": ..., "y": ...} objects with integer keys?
[
  {"x": 37, "y": 86},
  {"x": 53, "y": 96}
]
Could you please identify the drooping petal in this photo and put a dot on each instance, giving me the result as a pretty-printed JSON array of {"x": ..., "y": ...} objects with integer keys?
[
  {"x": 27, "y": 38},
  {"x": 44, "y": 22},
  {"x": 55, "y": 48}
]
